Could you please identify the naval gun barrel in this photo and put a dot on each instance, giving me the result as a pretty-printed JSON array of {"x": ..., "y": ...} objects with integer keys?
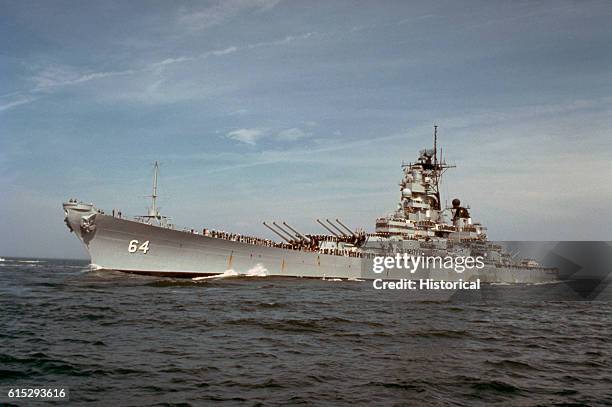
[
  {"x": 284, "y": 231},
  {"x": 272, "y": 229},
  {"x": 336, "y": 227},
  {"x": 307, "y": 240},
  {"x": 328, "y": 229},
  {"x": 345, "y": 227}
]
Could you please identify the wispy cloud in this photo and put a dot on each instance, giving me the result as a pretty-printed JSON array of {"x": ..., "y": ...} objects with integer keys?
[
  {"x": 55, "y": 76},
  {"x": 17, "y": 102},
  {"x": 288, "y": 39},
  {"x": 182, "y": 59},
  {"x": 291, "y": 134},
  {"x": 252, "y": 135},
  {"x": 247, "y": 136},
  {"x": 317, "y": 154},
  {"x": 218, "y": 13}
]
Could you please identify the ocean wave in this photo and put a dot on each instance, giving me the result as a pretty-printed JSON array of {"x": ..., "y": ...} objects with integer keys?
[
  {"x": 495, "y": 386},
  {"x": 20, "y": 266},
  {"x": 512, "y": 364},
  {"x": 277, "y": 341},
  {"x": 172, "y": 283},
  {"x": 291, "y": 325},
  {"x": 270, "y": 305},
  {"x": 39, "y": 363},
  {"x": 398, "y": 385},
  {"x": 455, "y": 334}
]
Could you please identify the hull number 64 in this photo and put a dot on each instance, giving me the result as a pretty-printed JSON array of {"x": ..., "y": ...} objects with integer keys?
[{"x": 135, "y": 246}]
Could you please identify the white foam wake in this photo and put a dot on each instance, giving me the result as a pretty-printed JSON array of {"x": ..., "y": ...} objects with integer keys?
[
  {"x": 258, "y": 271},
  {"x": 225, "y": 274},
  {"x": 547, "y": 282}
]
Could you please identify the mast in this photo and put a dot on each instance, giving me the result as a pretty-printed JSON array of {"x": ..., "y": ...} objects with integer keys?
[
  {"x": 153, "y": 212},
  {"x": 435, "y": 145},
  {"x": 437, "y": 169},
  {"x": 440, "y": 167}
]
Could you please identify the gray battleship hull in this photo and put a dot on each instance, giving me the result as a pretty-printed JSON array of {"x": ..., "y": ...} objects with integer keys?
[{"x": 170, "y": 252}]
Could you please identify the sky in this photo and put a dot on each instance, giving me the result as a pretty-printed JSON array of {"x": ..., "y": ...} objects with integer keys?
[{"x": 285, "y": 110}]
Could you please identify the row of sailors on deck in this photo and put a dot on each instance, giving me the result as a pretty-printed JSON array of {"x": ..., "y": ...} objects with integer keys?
[
  {"x": 342, "y": 252},
  {"x": 236, "y": 237}
]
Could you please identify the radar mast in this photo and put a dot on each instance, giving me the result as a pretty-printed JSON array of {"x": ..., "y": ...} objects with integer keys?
[{"x": 153, "y": 212}]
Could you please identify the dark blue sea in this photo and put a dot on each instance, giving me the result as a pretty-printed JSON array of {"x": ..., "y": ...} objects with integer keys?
[{"x": 116, "y": 339}]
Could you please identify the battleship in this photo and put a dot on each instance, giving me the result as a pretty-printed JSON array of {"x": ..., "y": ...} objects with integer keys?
[{"x": 420, "y": 225}]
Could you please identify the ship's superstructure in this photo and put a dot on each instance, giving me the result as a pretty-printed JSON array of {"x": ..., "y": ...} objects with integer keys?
[
  {"x": 421, "y": 225},
  {"x": 420, "y": 214}
]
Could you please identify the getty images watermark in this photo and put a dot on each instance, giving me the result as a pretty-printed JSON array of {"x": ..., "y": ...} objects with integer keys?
[{"x": 443, "y": 269}]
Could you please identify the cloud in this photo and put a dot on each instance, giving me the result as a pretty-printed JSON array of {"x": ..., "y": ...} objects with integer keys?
[
  {"x": 253, "y": 135},
  {"x": 178, "y": 60},
  {"x": 288, "y": 39},
  {"x": 291, "y": 134},
  {"x": 322, "y": 154},
  {"x": 218, "y": 13},
  {"x": 247, "y": 136},
  {"x": 58, "y": 76},
  {"x": 170, "y": 61},
  {"x": 20, "y": 101},
  {"x": 224, "y": 51},
  {"x": 238, "y": 112}
]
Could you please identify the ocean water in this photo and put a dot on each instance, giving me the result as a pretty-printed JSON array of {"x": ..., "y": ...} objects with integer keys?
[{"x": 120, "y": 339}]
